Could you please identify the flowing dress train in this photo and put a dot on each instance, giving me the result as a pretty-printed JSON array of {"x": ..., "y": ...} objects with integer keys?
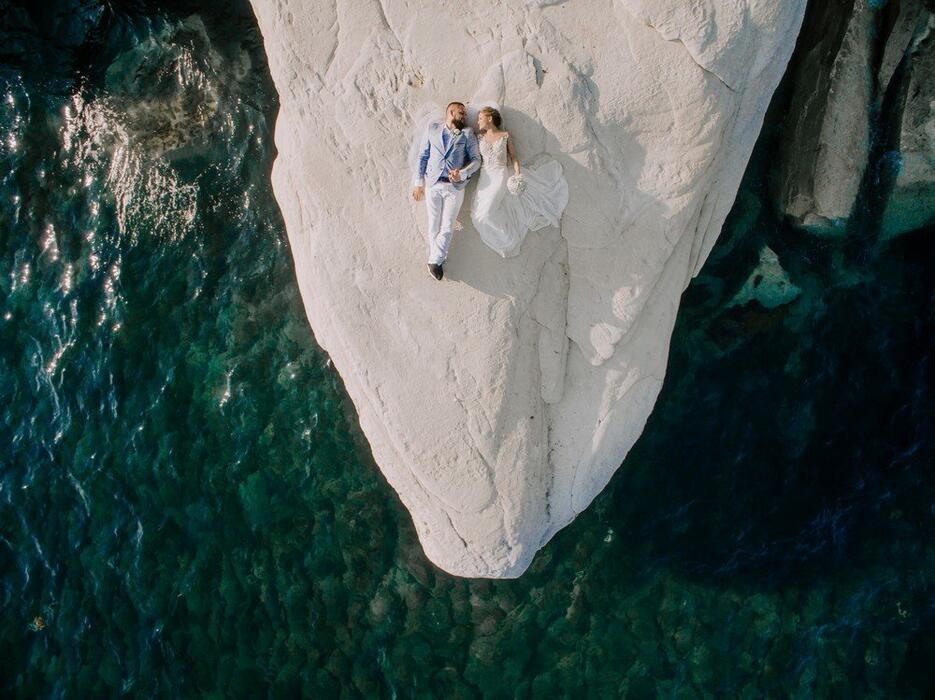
[{"x": 502, "y": 219}]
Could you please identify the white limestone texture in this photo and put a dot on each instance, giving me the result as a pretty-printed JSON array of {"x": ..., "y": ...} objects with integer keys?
[{"x": 499, "y": 402}]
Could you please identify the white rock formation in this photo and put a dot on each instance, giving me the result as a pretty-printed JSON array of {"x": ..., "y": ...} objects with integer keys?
[
  {"x": 827, "y": 132},
  {"x": 911, "y": 21},
  {"x": 499, "y": 402},
  {"x": 911, "y": 204}
]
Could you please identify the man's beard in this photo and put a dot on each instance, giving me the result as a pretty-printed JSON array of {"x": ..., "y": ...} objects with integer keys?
[{"x": 457, "y": 123}]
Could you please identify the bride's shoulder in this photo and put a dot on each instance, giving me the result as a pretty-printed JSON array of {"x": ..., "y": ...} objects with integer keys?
[{"x": 500, "y": 136}]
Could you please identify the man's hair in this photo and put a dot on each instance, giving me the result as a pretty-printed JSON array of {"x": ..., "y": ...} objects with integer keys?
[{"x": 453, "y": 103}]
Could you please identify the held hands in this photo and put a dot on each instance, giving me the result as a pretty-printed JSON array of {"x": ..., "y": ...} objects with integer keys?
[{"x": 418, "y": 193}]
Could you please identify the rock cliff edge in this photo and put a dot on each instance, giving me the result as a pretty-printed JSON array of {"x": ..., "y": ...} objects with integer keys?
[{"x": 499, "y": 402}]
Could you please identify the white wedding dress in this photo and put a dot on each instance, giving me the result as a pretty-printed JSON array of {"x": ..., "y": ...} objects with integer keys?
[{"x": 503, "y": 219}]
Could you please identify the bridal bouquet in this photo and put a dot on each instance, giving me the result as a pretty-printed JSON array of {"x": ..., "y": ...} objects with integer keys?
[{"x": 516, "y": 184}]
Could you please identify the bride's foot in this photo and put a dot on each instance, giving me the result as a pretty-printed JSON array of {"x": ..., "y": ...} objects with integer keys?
[{"x": 436, "y": 271}]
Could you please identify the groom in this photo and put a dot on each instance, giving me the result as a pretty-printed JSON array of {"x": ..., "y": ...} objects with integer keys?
[{"x": 448, "y": 156}]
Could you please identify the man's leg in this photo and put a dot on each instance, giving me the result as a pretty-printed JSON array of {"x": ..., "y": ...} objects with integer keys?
[
  {"x": 434, "y": 205},
  {"x": 452, "y": 205}
]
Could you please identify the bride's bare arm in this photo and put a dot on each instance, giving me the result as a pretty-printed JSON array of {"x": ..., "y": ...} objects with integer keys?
[{"x": 511, "y": 152}]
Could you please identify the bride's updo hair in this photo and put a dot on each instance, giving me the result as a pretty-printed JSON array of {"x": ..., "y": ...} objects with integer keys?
[{"x": 494, "y": 115}]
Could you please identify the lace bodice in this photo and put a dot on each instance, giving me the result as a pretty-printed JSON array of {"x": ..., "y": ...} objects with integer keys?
[{"x": 494, "y": 154}]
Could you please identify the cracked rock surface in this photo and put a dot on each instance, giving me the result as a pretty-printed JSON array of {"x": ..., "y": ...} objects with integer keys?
[
  {"x": 859, "y": 64},
  {"x": 912, "y": 199},
  {"x": 499, "y": 402}
]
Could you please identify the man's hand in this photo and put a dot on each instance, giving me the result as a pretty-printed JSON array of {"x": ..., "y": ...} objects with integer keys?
[
  {"x": 454, "y": 174},
  {"x": 418, "y": 193}
]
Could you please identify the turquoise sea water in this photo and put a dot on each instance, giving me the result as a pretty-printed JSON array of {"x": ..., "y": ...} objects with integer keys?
[{"x": 188, "y": 507}]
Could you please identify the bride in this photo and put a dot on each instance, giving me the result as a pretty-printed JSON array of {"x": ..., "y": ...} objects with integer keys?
[{"x": 505, "y": 207}]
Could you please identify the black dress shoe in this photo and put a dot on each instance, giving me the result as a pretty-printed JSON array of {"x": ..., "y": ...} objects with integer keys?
[{"x": 436, "y": 270}]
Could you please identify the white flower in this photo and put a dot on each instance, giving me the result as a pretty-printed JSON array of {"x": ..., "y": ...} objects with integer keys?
[{"x": 516, "y": 184}]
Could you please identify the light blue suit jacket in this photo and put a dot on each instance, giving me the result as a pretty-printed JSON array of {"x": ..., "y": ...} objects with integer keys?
[{"x": 435, "y": 160}]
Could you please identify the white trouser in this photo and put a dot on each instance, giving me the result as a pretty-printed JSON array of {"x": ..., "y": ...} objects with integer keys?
[{"x": 442, "y": 203}]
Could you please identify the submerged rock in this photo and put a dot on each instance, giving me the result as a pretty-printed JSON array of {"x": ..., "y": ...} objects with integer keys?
[
  {"x": 167, "y": 88},
  {"x": 500, "y": 402},
  {"x": 768, "y": 284}
]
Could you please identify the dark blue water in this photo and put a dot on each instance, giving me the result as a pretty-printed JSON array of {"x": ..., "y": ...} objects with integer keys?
[{"x": 188, "y": 507}]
